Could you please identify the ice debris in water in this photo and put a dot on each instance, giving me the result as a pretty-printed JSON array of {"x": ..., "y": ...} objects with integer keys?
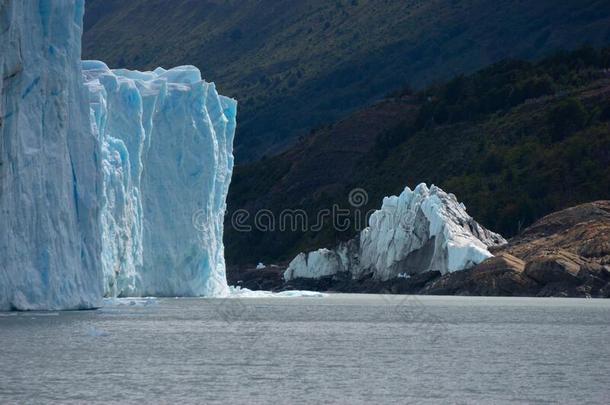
[{"x": 238, "y": 292}]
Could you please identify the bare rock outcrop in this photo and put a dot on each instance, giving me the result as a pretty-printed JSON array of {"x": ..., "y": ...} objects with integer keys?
[{"x": 566, "y": 253}]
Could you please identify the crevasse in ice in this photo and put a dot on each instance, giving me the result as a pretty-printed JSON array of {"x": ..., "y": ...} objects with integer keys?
[{"x": 167, "y": 141}]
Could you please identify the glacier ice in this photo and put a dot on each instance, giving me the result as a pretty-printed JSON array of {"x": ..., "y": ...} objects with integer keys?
[
  {"x": 317, "y": 264},
  {"x": 167, "y": 142},
  {"x": 50, "y": 241},
  {"x": 111, "y": 181},
  {"x": 420, "y": 230}
]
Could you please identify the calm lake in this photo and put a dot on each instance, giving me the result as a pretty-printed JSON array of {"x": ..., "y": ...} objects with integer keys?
[{"x": 332, "y": 349}]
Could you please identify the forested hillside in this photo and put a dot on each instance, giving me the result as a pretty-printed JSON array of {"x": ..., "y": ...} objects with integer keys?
[
  {"x": 514, "y": 142},
  {"x": 294, "y": 65}
]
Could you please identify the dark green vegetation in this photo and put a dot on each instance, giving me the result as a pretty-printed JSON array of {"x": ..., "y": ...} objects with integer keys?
[
  {"x": 296, "y": 64},
  {"x": 514, "y": 142}
]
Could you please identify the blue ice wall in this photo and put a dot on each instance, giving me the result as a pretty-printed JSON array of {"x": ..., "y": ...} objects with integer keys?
[
  {"x": 50, "y": 181},
  {"x": 167, "y": 141}
]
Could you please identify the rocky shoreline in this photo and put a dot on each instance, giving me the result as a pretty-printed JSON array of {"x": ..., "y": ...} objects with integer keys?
[{"x": 565, "y": 254}]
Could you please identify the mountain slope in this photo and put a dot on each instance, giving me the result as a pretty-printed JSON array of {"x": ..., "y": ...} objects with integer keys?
[
  {"x": 514, "y": 142},
  {"x": 296, "y": 64}
]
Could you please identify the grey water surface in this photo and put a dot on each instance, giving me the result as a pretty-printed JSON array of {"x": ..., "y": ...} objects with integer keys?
[{"x": 334, "y": 349}]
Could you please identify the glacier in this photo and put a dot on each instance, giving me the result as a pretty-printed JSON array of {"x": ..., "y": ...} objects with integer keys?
[
  {"x": 420, "y": 230},
  {"x": 112, "y": 182},
  {"x": 50, "y": 181},
  {"x": 167, "y": 143}
]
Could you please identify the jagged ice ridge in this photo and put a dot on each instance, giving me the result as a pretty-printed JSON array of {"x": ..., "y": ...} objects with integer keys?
[{"x": 420, "y": 230}]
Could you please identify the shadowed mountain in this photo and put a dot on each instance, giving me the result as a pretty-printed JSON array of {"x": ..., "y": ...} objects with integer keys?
[
  {"x": 514, "y": 142},
  {"x": 294, "y": 65}
]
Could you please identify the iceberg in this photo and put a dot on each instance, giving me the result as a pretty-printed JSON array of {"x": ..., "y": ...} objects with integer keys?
[
  {"x": 50, "y": 243},
  {"x": 420, "y": 230},
  {"x": 167, "y": 157}
]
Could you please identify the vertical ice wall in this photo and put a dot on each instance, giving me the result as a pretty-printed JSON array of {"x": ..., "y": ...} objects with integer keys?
[
  {"x": 167, "y": 141},
  {"x": 50, "y": 240}
]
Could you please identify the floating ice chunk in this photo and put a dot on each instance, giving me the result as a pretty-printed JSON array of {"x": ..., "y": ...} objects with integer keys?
[
  {"x": 238, "y": 292},
  {"x": 131, "y": 301},
  {"x": 95, "y": 332}
]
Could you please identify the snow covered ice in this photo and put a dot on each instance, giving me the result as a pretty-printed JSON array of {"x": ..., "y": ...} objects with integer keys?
[
  {"x": 421, "y": 230},
  {"x": 167, "y": 142},
  {"x": 50, "y": 239}
]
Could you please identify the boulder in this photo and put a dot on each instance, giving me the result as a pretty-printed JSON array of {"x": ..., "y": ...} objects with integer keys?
[
  {"x": 502, "y": 275},
  {"x": 567, "y": 253},
  {"x": 583, "y": 230},
  {"x": 554, "y": 267}
]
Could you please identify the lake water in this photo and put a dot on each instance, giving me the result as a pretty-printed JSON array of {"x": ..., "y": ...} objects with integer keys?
[{"x": 335, "y": 349}]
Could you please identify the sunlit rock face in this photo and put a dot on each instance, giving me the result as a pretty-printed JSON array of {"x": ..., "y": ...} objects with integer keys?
[
  {"x": 420, "y": 230},
  {"x": 167, "y": 141},
  {"x": 50, "y": 182}
]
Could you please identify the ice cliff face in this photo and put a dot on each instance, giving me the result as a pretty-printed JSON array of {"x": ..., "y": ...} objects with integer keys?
[
  {"x": 50, "y": 240},
  {"x": 420, "y": 230},
  {"x": 167, "y": 142},
  {"x": 118, "y": 187}
]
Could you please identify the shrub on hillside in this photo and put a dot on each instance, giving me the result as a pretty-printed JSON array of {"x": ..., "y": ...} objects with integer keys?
[{"x": 566, "y": 118}]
